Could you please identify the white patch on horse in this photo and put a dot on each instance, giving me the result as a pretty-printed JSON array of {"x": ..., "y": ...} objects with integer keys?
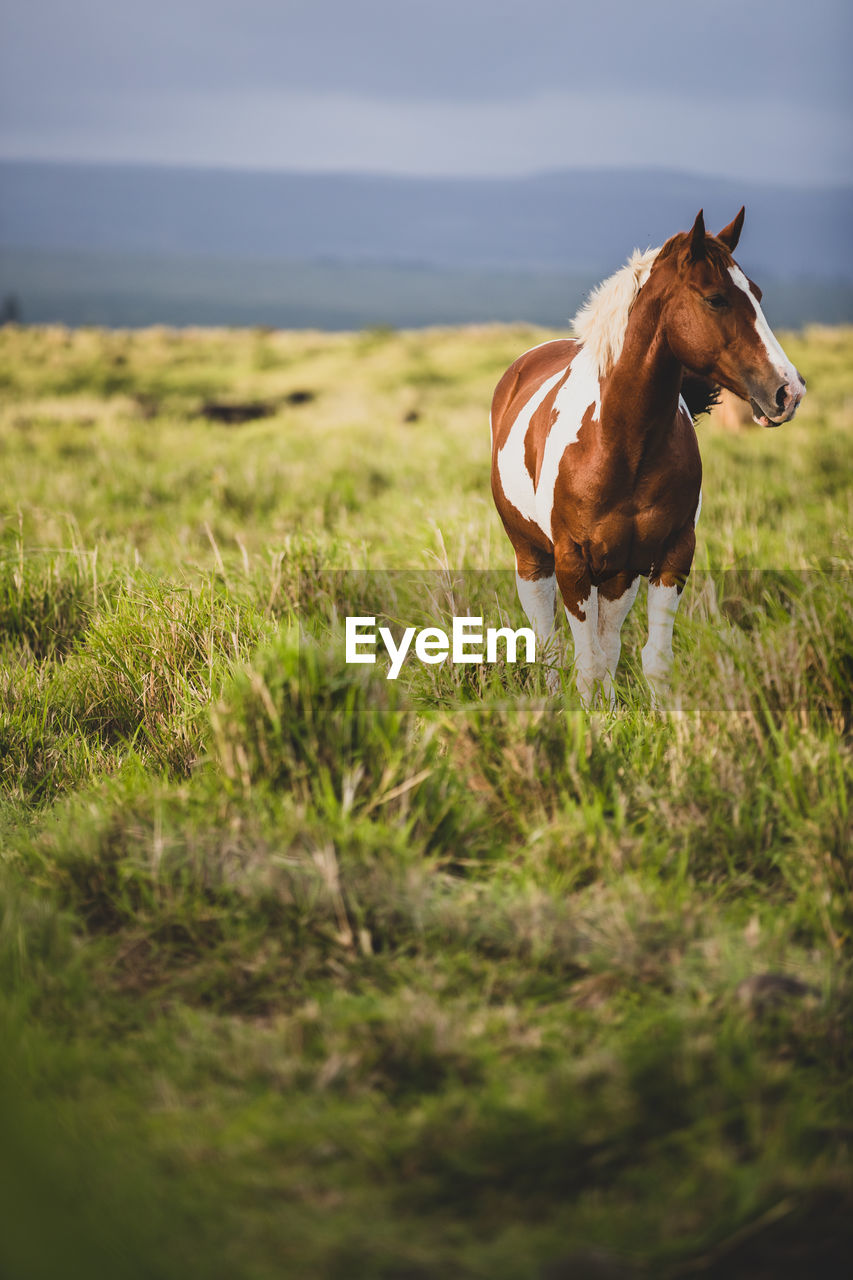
[
  {"x": 657, "y": 651},
  {"x": 698, "y": 510},
  {"x": 769, "y": 341},
  {"x": 580, "y": 392},
  {"x": 601, "y": 322},
  {"x": 539, "y": 602},
  {"x": 590, "y": 664},
  {"x": 514, "y": 476},
  {"x": 611, "y": 616}
]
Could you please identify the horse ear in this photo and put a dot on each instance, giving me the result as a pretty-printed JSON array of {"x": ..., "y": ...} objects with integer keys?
[
  {"x": 731, "y": 234},
  {"x": 697, "y": 238}
]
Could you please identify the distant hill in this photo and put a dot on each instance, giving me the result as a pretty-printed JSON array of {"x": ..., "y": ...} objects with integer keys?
[
  {"x": 132, "y": 290},
  {"x": 133, "y": 244}
]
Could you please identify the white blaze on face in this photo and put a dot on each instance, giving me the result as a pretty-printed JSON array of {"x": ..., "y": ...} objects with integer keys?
[{"x": 788, "y": 375}]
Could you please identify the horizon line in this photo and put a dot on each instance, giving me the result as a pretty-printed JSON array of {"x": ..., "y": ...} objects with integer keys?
[{"x": 225, "y": 167}]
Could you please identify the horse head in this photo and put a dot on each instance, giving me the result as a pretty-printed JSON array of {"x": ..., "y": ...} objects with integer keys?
[{"x": 713, "y": 322}]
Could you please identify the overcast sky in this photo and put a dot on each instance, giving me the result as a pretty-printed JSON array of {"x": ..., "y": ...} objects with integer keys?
[{"x": 745, "y": 88}]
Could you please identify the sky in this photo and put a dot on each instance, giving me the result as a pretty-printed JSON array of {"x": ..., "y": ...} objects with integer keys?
[{"x": 754, "y": 89}]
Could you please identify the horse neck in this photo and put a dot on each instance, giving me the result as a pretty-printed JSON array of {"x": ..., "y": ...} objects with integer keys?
[{"x": 640, "y": 396}]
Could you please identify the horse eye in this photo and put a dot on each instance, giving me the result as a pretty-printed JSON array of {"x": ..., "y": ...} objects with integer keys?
[{"x": 718, "y": 301}]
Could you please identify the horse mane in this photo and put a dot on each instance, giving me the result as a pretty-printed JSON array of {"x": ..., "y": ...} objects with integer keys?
[
  {"x": 601, "y": 322},
  {"x": 699, "y": 394}
]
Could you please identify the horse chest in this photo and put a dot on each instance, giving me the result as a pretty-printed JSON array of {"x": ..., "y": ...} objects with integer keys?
[{"x": 621, "y": 518}]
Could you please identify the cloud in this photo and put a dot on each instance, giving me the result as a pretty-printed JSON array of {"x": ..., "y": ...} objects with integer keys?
[
  {"x": 475, "y": 50},
  {"x": 269, "y": 130},
  {"x": 483, "y": 86}
]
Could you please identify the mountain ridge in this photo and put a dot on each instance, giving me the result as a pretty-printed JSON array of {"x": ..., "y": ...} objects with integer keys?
[{"x": 579, "y": 220}]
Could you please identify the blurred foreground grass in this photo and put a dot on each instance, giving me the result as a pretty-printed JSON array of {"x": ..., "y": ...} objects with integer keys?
[{"x": 307, "y": 973}]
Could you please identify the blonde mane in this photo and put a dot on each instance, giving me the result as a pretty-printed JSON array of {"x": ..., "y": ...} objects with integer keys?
[{"x": 601, "y": 322}]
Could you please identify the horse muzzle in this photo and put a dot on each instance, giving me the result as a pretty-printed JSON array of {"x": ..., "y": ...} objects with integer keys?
[{"x": 781, "y": 405}]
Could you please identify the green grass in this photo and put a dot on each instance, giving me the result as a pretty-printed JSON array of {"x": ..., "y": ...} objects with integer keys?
[{"x": 304, "y": 972}]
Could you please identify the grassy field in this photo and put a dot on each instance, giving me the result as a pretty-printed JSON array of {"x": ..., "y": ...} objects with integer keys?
[{"x": 307, "y": 973}]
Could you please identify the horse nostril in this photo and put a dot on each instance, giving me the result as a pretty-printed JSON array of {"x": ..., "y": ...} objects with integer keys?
[
  {"x": 802, "y": 380},
  {"x": 781, "y": 397}
]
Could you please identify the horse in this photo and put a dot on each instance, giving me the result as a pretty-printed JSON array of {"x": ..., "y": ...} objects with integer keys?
[{"x": 596, "y": 472}]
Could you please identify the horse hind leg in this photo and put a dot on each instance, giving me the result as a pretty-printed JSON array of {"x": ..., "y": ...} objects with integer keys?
[{"x": 537, "y": 592}]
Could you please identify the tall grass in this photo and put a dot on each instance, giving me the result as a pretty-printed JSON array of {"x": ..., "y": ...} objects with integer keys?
[{"x": 307, "y": 972}]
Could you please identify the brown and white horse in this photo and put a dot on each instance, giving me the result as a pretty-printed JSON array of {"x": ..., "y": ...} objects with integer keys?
[{"x": 596, "y": 471}]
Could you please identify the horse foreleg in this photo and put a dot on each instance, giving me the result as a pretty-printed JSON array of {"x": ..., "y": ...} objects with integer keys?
[
  {"x": 580, "y": 599},
  {"x": 615, "y": 598},
  {"x": 665, "y": 589}
]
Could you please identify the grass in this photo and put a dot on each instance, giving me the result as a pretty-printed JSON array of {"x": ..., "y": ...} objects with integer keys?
[{"x": 305, "y": 972}]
